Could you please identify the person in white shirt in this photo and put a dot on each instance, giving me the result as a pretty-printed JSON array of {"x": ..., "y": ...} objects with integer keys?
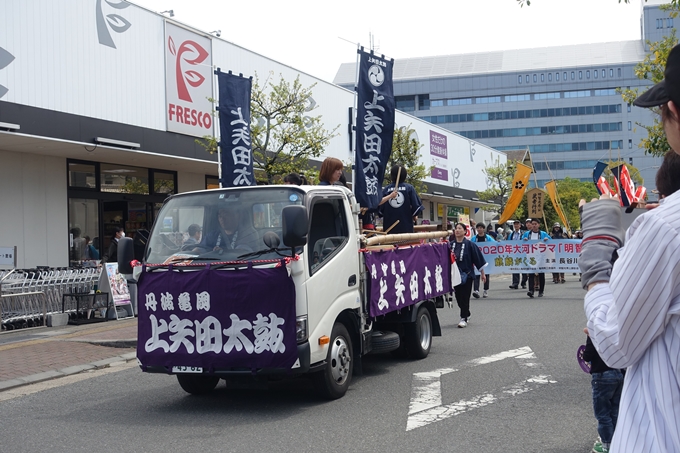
[
  {"x": 633, "y": 301},
  {"x": 515, "y": 235}
]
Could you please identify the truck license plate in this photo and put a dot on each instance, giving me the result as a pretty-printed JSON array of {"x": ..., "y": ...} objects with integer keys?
[{"x": 187, "y": 369}]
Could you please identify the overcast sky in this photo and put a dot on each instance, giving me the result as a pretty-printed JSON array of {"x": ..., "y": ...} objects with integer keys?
[{"x": 313, "y": 37}]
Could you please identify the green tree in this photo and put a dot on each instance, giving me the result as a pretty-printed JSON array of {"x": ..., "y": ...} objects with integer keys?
[
  {"x": 499, "y": 182},
  {"x": 406, "y": 152},
  {"x": 570, "y": 191},
  {"x": 284, "y": 133},
  {"x": 652, "y": 69}
]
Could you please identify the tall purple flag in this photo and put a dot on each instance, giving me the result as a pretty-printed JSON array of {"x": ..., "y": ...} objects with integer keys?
[
  {"x": 374, "y": 126},
  {"x": 235, "y": 144},
  {"x": 242, "y": 318}
]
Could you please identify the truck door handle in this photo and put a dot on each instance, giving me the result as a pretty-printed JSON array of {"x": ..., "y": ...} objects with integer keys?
[{"x": 352, "y": 280}]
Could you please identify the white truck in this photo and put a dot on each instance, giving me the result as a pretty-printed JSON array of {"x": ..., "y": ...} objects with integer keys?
[{"x": 292, "y": 286}]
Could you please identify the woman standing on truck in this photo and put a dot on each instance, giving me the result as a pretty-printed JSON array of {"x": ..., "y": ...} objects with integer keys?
[
  {"x": 467, "y": 255},
  {"x": 330, "y": 172}
]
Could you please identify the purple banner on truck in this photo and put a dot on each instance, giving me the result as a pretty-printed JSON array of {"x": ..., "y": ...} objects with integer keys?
[
  {"x": 215, "y": 319},
  {"x": 402, "y": 277}
]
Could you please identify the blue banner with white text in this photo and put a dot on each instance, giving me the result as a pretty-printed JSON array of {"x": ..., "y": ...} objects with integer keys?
[
  {"x": 374, "y": 126},
  {"x": 235, "y": 145}
]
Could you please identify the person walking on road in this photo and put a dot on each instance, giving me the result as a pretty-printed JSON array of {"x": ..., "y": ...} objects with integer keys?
[
  {"x": 633, "y": 320},
  {"x": 468, "y": 256},
  {"x": 481, "y": 236},
  {"x": 515, "y": 235},
  {"x": 536, "y": 235},
  {"x": 558, "y": 233},
  {"x": 525, "y": 276}
]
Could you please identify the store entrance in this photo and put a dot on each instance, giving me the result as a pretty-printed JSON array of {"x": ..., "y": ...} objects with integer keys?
[{"x": 132, "y": 216}]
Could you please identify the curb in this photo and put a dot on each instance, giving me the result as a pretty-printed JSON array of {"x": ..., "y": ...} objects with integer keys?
[{"x": 54, "y": 374}]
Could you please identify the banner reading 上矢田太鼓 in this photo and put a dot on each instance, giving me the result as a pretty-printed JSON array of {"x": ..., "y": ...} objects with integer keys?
[{"x": 374, "y": 126}]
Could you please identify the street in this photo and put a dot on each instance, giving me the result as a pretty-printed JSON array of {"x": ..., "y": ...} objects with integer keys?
[{"x": 509, "y": 382}]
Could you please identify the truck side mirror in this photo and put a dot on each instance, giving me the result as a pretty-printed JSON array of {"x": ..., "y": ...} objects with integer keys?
[
  {"x": 294, "y": 221},
  {"x": 126, "y": 253}
]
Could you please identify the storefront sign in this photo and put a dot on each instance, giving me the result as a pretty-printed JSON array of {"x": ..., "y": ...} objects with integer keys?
[
  {"x": 120, "y": 293},
  {"x": 188, "y": 82},
  {"x": 8, "y": 256},
  {"x": 439, "y": 156}
]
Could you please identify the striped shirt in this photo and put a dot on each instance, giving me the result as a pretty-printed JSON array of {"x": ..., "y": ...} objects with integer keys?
[{"x": 633, "y": 322}]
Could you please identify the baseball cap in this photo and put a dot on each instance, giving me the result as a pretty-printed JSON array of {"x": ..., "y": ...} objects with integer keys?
[
  {"x": 516, "y": 221},
  {"x": 666, "y": 90},
  {"x": 556, "y": 224},
  {"x": 527, "y": 220}
]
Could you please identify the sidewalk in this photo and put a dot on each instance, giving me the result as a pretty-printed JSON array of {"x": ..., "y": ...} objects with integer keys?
[{"x": 42, "y": 353}]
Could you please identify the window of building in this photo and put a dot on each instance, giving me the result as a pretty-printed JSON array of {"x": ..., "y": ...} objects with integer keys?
[
  {"x": 82, "y": 175},
  {"x": 630, "y": 142},
  {"x": 527, "y": 78},
  {"x": 618, "y": 72},
  {"x": 611, "y": 73},
  {"x": 212, "y": 182},
  {"x": 124, "y": 179},
  {"x": 564, "y": 76},
  {"x": 595, "y": 73},
  {"x": 437, "y": 103},
  {"x": 464, "y": 101},
  {"x": 164, "y": 182},
  {"x": 519, "y": 79},
  {"x": 557, "y": 77},
  {"x": 405, "y": 103},
  {"x": 587, "y": 74},
  {"x": 628, "y": 108},
  {"x": 550, "y": 77},
  {"x": 630, "y": 126},
  {"x": 604, "y": 73},
  {"x": 573, "y": 75},
  {"x": 542, "y": 77},
  {"x": 669, "y": 22},
  {"x": 534, "y": 78},
  {"x": 423, "y": 102},
  {"x": 580, "y": 75},
  {"x": 657, "y": 24}
]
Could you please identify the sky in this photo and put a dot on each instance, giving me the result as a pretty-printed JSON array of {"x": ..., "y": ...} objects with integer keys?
[{"x": 315, "y": 38}]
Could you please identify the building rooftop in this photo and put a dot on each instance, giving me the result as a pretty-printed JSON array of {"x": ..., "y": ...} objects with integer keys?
[{"x": 520, "y": 60}]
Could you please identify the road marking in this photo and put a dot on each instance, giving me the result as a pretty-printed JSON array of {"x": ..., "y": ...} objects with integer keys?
[{"x": 426, "y": 404}]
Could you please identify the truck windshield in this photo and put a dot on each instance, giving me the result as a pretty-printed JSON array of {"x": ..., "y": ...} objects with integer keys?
[{"x": 221, "y": 225}]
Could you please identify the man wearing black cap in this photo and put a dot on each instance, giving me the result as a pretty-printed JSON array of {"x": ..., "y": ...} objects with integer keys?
[
  {"x": 516, "y": 235},
  {"x": 633, "y": 321}
]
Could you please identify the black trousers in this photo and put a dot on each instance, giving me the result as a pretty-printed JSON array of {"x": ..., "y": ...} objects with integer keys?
[
  {"x": 478, "y": 279},
  {"x": 525, "y": 277},
  {"x": 515, "y": 280},
  {"x": 541, "y": 282},
  {"x": 463, "y": 293}
]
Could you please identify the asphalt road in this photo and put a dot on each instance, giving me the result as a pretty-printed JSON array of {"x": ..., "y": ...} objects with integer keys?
[{"x": 476, "y": 400}]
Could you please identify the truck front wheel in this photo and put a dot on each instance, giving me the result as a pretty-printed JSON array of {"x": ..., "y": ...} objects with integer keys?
[
  {"x": 418, "y": 335},
  {"x": 334, "y": 380},
  {"x": 197, "y": 384}
]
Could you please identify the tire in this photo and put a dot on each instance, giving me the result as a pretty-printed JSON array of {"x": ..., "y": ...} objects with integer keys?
[
  {"x": 334, "y": 380},
  {"x": 197, "y": 384},
  {"x": 383, "y": 341},
  {"x": 418, "y": 335}
]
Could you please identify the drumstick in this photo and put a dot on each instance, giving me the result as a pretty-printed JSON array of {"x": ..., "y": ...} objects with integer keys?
[{"x": 393, "y": 225}]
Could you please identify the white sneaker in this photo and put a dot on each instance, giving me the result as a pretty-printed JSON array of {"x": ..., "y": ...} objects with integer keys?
[
  {"x": 462, "y": 323},
  {"x": 485, "y": 294},
  {"x": 475, "y": 294}
]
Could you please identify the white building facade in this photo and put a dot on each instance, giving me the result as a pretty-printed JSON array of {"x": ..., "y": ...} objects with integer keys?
[{"x": 101, "y": 103}]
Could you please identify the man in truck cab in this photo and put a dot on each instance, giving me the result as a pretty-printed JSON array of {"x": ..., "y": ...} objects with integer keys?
[{"x": 233, "y": 233}]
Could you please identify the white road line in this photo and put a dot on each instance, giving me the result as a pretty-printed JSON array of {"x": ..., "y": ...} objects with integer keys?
[{"x": 426, "y": 393}]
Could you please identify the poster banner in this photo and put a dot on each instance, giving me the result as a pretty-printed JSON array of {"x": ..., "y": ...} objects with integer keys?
[
  {"x": 624, "y": 185},
  {"x": 374, "y": 126},
  {"x": 599, "y": 180},
  {"x": 519, "y": 185},
  {"x": 439, "y": 155},
  {"x": 235, "y": 146},
  {"x": 217, "y": 318},
  {"x": 509, "y": 257},
  {"x": 535, "y": 200},
  {"x": 120, "y": 293},
  {"x": 402, "y": 277}
]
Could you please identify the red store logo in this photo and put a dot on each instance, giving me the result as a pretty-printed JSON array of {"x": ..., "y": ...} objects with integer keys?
[{"x": 192, "y": 53}]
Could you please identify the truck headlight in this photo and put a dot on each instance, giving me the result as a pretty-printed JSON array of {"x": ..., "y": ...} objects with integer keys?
[{"x": 301, "y": 328}]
